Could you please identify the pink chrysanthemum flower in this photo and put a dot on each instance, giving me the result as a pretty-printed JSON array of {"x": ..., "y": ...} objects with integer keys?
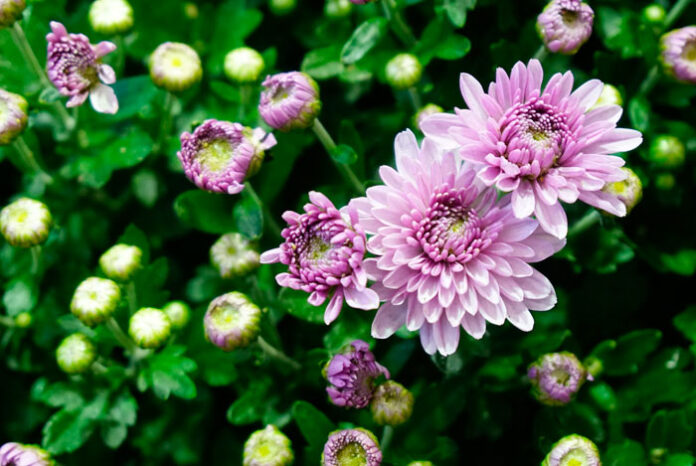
[
  {"x": 565, "y": 25},
  {"x": 556, "y": 378},
  {"x": 351, "y": 374},
  {"x": 679, "y": 53},
  {"x": 17, "y": 454},
  {"x": 289, "y": 101},
  {"x": 541, "y": 145},
  {"x": 449, "y": 253},
  {"x": 74, "y": 66},
  {"x": 324, "y": 250},
  {"x": 351, "y": 447},
  {"x": 220, "y": 155}
]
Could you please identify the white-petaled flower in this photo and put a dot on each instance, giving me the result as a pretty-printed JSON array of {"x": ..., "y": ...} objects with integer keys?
[
  {"x": 178, "y": 312},
  {"x": 403, "y": 71},
  {"x": 25, "y": 223},
  {"x": 233, "y": 255},
  {"x": 268, "y": 447},
  {"x": 95, "y": 300},
  {"x": 111, "y": 16},
  {"x": 244, "y": 65},
  {"x": 75, "y": 354},
  {"x": 573, "y": 450},
  {"x": 13, "y": 116},
  {"x": 149, "y": 327},
  {"x": 175, "y": 66},
  {"x": 121, "y": 261}
]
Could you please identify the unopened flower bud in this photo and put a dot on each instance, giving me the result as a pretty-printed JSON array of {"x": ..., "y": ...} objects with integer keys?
[
  {"x": 13, "y": 116},
  {"x": 337, "y": 8},
  {"x": 289, "y": 101},
  {"x": 244, "y": 65},
  {"x": 350, "y": 447},
  {"x": 25, "y": 223},
  {"x": 403, "y": 71},
  {"x": 610, "y": 96},
  {"x": 121, "y": 262},
  {"x": 565, "y": 25},
  {"x": 392, "y": 404},
  {"x": 175, "y": 66},
  {"x": 233, "y": 255},
  {"x": 556, "y": 378},
  {"x": 111, "y": 16},
  {"x": 667, "y": 151},
  {"x": 629, "y": 191},
  {"x": 75, "y": 354},
  {"x": 282, "y": 7},
  {"x": 178, "y": 312},
  {"x": 95, "y": 300},
  {"x": 149, "y": 327},
  {"x": 654, "y": 13},
  {"x": 232, "y": 321},
  {"x": 23, "y": 320},
  {"x": 18, "y": 454},
  {"x": 191, "y": 10},
  {"x": 425, "y": 112},
  {"x": 11, "y": 11},
  {"x": 351, "y": 374},
  {"x": 420, "y": 463},
  {"x": 678, "y": 53},
  {"x": 573, "y": 450},
  {"x": 268, "y": 447},
  {"x": 665, "y": 181}
]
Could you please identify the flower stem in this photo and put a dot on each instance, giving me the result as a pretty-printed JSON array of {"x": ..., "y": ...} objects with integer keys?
[
  {"x": 131, "y": 297},
  {"x": 387, "y": 435},
  {"x": 165, "y": 128},
  {"x": 541, "y": 53},
  {"x": 415, "y": 98},
  {"x": 121, "y": 337},
  {"x": 275, "y": 353},
  {"x": 268, "y": 216},
  {"x": 675, "y": 12},
  {"x": 330, "y": 146},
  {"x": 590, "y": 218},
  {"x": 245, "y": 91},
  {"x": 35, "y": 259},
  {"x": 7, "y": 321},
  {"x": 650, "y": 80},
  {"x": 398, "y": 23},
  {"x": 28, "y": 160},
  {"x": 20, "y": 39}
]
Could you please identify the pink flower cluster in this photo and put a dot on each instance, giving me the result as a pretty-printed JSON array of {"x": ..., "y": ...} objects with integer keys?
[{"x": 454, "y": 228}]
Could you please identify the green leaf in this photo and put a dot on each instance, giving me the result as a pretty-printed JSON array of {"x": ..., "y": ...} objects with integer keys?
[
  {"x": 208, "y": 212},
  {"x": 364, "y": 38},
  {"x": 167, "y": 373},
  {"x": 113, "y": 435},
  {"x": 248, "y": 216},
  {"x": 623, "y": 356},
  {"x": 323, "y": 63},
  {"x": 21, "y": 295},
  {"x": 58, "y": 394},
  {"x": 682, "y": 263},
  {"x": 345, "y": 154},
  {"x": 135, "y": 97},
  {"x": 146, "y": 187},
  {"x": 349, "y": 327},
  {"x": 679, "y": 459},
  {"x": 49, "y": 95},
  {"x": 628, "y": 453},
  {"x": 233, "y": 22},
  {"x": 670, "y": 430},
  {"x": 134, "y": 236},
  {"x": 456, "y": 10},
  {"x": 295, "y": 302},
  {"x": 68, "y": 430},
  {"x": 639, "y": 112},
  {"x": 503, "y": 368},
  {"x": 603, "y": 395},
  {"x": 251, "y": 406},
  {"x": 686, "y": 323},
  {"x": 453, "y": 48},
  {"x": 313, "y": 424},
  {"x": 124, "y": 409}
]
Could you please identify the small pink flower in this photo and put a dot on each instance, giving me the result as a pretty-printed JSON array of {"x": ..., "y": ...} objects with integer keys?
[
  {"x": 678, "y": 53},
  {"x": 542, "y": 145},
  {"x": 75, "y": 68},
  {"x": 324, "y": 250},
  {"x": 565, "y": 25}
]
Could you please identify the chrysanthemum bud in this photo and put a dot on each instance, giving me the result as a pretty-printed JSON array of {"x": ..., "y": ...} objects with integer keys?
[
  {"x": 403, "y": 71},
  {"x": 233, "y": 255},
  {"x": 18, "y": 454},
  {"x": 191, "y": 10},
  {"x": 178, "y": 312},
  {"x": 337, "y": 8},
  {"x": 610, "y": 96},
  {"x": 13, "y": 116},
  {"x": 679, "y": 53},
  {"x": 420, "y": 463},
  {"x": 175, "y": 66},
  {"x": 219, "y": 156},
  {"x": 654, "y": 13},
  {"x": 232, "y": 321},
  {"x": 25, "y": 222},
  {"x": 556, "y": 378},
  {"x": 23, "y": 320},
  {"x": 573, "y": 450},
  {"x": 425, "y": 112},
  {"x": 11, "y": 11},
  {"x": 351, "y": 374},
  {"x": 111, "y": 16},
  {"x": 392, "y": 404},
  {"x": 244, "y": 65},
  {"x": 75, "y": 353},
  {"x": 665, "y": 181},
  {"x": 565, "y": 25},
  {"x": 350, "y": 447},
  {"x": 667, "y": 151},
  {"x": 121, "y": 261},
  {"x": 289, "y": 101},
  {"x": 282, "y": 7},
  {"x": 149, "y": 327},
  {"x": 268, "y": 447},
  {"x": 629, "y": 191},
  {"x": 95, "y": 300}
]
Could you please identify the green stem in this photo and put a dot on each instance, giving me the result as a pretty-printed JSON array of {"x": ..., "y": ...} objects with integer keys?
[
  {"x": 268, "y": 216},
  {"x": 590, "y": 218},
  {"x": 121, "y": 337},
  {"x": 27, "y": 157},
  {"x": 245, "y": 91},
  {"x": 35, "y": 259},
  {"x": 131, "y": 297},
  {"x": 415, "y": 98},
  {"x": 98, "y": 368},
  {"x": 275, "y": 353},
  {"x": 120, "y": 61},
  {"x": 398, "y": 23},
  {"x": 541, "y": 53},
  {"x": 650, "y": 80},
  {"x": 7, "y": 321},
  {"x": 330, "y": 146},
  {"x": 675, "y": 12},
  {"x": 166, "y": 120},
  {"x": 387, "y": 435}
]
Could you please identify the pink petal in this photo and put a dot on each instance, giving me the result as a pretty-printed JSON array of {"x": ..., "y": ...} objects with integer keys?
[
  {"x": 334, "y": 307},
  {"x": 366, "y": 299},
  {"x": 389, "y": 319},
  {"x": 523, "y": 201},
  {"x": 552, "y": 219}
]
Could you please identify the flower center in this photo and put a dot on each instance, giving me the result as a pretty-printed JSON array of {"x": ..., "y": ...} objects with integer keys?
[
  {"x": 215, "y": 155},
  {"x": 226, "y": 317},
  {"x": 570, "y": 17},
  {"x": 317, "y": 249},
  {"x": 562, "y": 377},
  {"x": 575, "y": 457},
  {"x": 689, "y": 51},
  {"x": 352, "y": 455}
]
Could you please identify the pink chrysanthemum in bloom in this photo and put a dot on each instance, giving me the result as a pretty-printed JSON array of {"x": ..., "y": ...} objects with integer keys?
[
  {"x": 541, "y": 145},
  {"x": 565, "y": 25},
  {"x": 220, "y": 155},
  {"x": 289, "y": 101},
  {"x": 351, "y": 447},
  {"x": 556, "y": 378},
  {"x": 17, "y": 454},
  {"x": 324, "y": 250},
  {"x": 351, "y": 374},
  {"x": 74, "y": 66},
  {"x": 449, "y": 253},
  {"x": 679, "y": 53}
]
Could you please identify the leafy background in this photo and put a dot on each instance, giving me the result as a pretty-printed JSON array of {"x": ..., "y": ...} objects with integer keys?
[{"x": 625, "y": 287}]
